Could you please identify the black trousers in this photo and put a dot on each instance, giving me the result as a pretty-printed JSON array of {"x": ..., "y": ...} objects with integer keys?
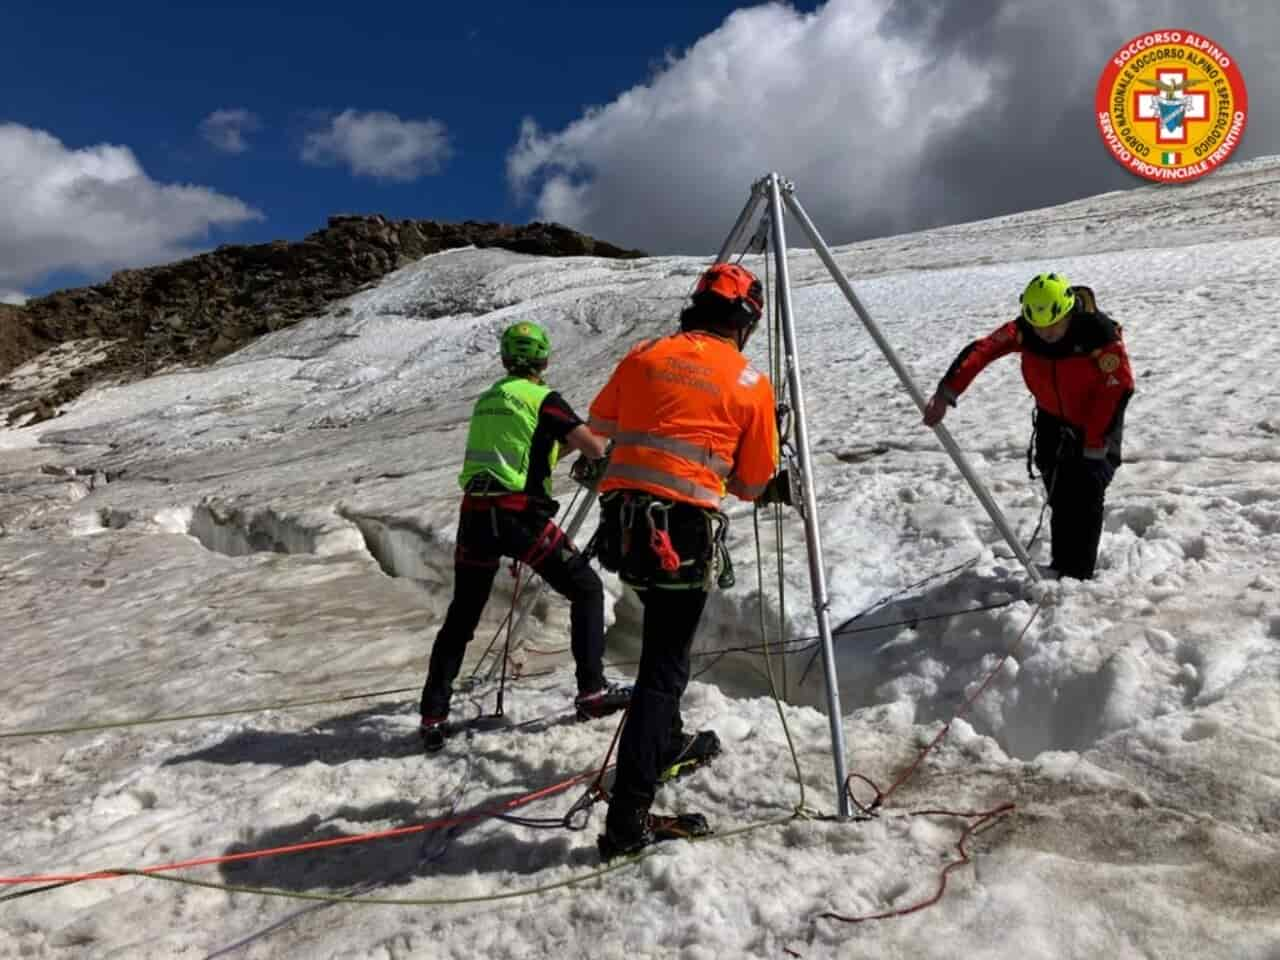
[
  {"x": 653, "y": 723},
  {"x": 1077, "y": 488},
  {"x": 485, "y": 536},
  {"x": 673, "y": 604}
]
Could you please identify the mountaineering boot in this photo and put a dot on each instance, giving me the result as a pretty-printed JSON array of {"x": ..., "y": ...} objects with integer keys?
[
  {"x": 610, "y": 698},
  {"x": 693, "y": 751},
  {"x": 433, "y": 731},
  {"x": 633, "y": 830},
  {"x": 678, "y": 826},
  {"x": 1048, "y": 572}
]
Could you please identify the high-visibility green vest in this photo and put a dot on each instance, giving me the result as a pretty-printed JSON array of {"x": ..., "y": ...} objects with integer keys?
[{"x": 500, "y": 436}]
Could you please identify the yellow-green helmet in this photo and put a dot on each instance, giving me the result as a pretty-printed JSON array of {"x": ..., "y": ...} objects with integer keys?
[
  {"x": 1047, "y": 299},
  {"x": 525, "y": 346}
]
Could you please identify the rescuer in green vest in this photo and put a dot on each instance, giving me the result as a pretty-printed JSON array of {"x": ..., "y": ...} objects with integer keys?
[{"x": 517, "y": 429}]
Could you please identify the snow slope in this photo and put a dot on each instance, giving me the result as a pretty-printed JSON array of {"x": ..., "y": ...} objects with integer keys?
[{"x": 278, "y": 528}]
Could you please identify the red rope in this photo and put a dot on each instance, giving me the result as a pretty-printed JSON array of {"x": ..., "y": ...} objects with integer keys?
[
  {"x": 982, "y": 817},
  {"x": 598, "y": 786},
  {"x": 881, "y": 796},
  {"x": 316, "y": 844},
  {"x": 664, "y": 550}
]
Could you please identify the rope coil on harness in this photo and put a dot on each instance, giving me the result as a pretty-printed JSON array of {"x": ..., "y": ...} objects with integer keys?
[{"x": 660, "y": 537}]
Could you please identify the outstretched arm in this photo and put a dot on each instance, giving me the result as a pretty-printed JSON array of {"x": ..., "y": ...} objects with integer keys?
[
  {"x": 967, "y": 365},
  {"x": 588, "y": 444}
]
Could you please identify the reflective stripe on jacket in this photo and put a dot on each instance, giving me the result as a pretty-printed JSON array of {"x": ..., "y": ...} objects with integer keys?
[
  {"x": 690, "y": 418},
  {"x": 500, "y": 435}
]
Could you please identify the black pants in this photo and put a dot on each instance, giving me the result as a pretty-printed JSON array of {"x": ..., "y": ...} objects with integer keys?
[
  {"x": 673, "y": 604},
  {"x": 653, "y": 722},
  {"x": 1077, "y": 489},
  {"x": 485, "y": 536}
]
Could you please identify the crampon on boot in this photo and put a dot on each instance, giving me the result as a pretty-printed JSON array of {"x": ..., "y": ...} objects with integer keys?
[
  {"x": 694, "y": 751},
  {"x": 650, "y": 829}
]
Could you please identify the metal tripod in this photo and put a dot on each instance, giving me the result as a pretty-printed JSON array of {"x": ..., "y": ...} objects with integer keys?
[{"x": 776, "y": 192}]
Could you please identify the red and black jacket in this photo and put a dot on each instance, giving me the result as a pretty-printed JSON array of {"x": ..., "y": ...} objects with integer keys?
[{"x": 1084, "y": 379}]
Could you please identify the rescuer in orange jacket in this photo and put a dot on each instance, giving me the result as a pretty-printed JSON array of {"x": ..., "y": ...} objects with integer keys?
[
  {"x": 690, "y": 419},
  {"x": 1075, "y": 365}
]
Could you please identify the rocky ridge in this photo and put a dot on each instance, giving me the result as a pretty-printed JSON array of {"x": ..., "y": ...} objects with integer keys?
[{"x": 193, "y": 312}]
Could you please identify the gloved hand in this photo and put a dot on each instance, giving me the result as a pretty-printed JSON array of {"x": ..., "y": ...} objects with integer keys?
[
  {"x": 936, "y": 408},
  {"x": 934, "y": 411},
  {"x": 587, "y": 471},
  {"x": 778, "y": 489},
  {"x": 1097, "y": 467}
]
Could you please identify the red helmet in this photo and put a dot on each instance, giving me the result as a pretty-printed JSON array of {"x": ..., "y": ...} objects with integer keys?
[{"x": 738, "y": 286}]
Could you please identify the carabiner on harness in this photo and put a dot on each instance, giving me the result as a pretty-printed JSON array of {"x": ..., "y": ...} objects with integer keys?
[
  {"x": 660, "y": 539},
  {"x": 1031, "y": 448},
  {"x": 720, "y": 564}
]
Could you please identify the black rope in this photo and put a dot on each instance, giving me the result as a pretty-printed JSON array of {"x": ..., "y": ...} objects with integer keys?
[
  {"x": 885, "y": 599},
  {"x": 576, "y": 820},
  {"x": 716, "y": 657},
  {"x": 506, "y": 646},
  {"x": 1064, "y": 437},
  {"x": 449, "y": 835},
  {"x": 508, "y": 621}
]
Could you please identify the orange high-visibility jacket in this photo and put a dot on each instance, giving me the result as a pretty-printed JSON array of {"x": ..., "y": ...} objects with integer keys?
[{"x": 689, "y": 417}]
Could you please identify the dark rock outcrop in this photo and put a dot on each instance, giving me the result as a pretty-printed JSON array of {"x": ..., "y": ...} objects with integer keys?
[
  {"x": 18, "y": 341},
  {"x": 198, "y": 310}
]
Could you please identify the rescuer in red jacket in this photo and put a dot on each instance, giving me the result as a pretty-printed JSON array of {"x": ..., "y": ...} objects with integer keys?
[
  {"x": 690, "y": 420},
  {"x": 1075, "y": 365}
]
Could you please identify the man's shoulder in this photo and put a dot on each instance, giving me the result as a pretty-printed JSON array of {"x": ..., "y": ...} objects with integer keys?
[
  {"x": 644, "y": 346},
  {"x": 751, "y": 378},
  {"x": 555, "y": 404}
]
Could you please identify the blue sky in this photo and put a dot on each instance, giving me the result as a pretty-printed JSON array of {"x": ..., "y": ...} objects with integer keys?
[
  {"x": 146, "y": 74},
  {"x": 243, "y": 123}
]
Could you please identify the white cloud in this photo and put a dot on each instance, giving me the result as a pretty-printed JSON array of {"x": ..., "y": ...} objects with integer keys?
[
  {"x": 380, "y": 145},
  {"x": 13, "y": 297},
  {"x": 821, "y": 97},
  {"x": 887, "y": 114},
  {"x": 94, "y": 209},
  {"x": 226, "y": 129}
]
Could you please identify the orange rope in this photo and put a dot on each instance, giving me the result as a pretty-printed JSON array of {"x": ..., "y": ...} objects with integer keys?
[{"x": 314, "y": 844}]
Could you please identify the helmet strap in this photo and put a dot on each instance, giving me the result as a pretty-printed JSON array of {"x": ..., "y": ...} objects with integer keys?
[{"x": 524, "y": 368}]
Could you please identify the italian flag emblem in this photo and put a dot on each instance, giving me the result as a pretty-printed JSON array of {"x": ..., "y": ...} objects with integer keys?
[{"x": 1171, "y": 158}]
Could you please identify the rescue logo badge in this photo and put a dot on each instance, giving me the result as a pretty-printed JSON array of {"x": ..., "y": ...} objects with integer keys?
[
  {"x": 1171, "y": 105},
  {"x": 1108, "y": 362}
]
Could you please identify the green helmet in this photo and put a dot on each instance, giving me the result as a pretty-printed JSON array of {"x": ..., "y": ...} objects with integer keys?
[
  {"x": 1047, "y": 299},
  {"x": 525, "y": 346}
]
